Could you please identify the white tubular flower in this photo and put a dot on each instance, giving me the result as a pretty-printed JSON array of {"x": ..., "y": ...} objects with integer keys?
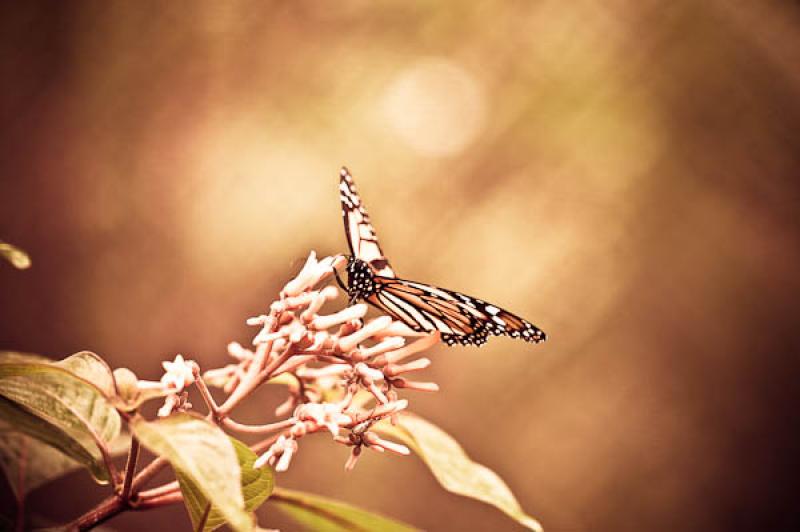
[
  {"x": 275, "y": 450},
  {"x": 221, "y": 376},
  {"x": 319, "y": 298},
  {"x": 376, "y": 443},
  {"x": 387, "y": 344},
  {"x": 169, "y": 405},
  {"x": 286, "y": 457},
  {"x": 368, "y": 375},
  {"x": 179, "y": 373},
  {"x": 343, "y": 316},
  {"x": 413, "y": 348},
  {"x": 312, "y": 272},
  {"x": 349, "y": 342},
  {"x": 328, "y": 415},
  {"x": 238, "y": 352}
]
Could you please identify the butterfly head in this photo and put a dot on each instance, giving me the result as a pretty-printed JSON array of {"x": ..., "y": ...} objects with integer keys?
[{"x": 360, "y": 279}]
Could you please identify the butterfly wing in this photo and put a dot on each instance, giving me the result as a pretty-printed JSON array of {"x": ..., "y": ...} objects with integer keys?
[
  {"x": 360, "y": 234},
  {"x": 460, "y": 318}
]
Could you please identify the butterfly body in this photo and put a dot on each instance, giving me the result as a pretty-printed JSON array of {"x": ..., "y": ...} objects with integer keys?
[
  {"x": 360, "y": 279},
  {"x": 461, "y": 319}
]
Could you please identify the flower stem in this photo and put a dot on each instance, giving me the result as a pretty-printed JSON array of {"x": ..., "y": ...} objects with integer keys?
[
  {"x": 258, "y": 429},
  {"x": 208, "y": 399},
  {"x": 130, "y": 469},
  {"x": 151, "y": 470},
  {"x": 104, "y": 511}
]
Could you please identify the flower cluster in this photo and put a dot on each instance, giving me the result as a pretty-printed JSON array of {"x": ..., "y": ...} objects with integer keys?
[{"x": 342, "y": 372}]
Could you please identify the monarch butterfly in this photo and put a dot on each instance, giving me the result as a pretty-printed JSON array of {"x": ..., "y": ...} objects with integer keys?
[{"x": 424, "y": 308}]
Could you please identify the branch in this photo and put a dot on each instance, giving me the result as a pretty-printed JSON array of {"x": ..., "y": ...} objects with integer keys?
[
  {"x": 255, "y": 376},
  {"x": 99, "y": 514},
  {"x": 23, "y": 462},
  {"x": 161, "y": 500},
  {"x": 258, "y": 429},
  {"x": 144, "y": 476},
  {"x": 208, "y": 399},
  {"x": 130, "y": 469}
]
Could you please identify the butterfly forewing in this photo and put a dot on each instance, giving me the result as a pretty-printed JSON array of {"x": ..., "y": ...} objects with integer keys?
[{"x": 361, "y": 237}]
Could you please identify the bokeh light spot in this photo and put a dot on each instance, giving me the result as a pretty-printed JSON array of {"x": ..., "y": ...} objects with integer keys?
[{"x": 435, "y": 106}]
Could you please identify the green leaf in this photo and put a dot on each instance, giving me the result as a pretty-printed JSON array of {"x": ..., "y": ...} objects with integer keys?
[
  {"x": 18, "y": 258},
  {"x": 320, "y": 514},
  {"x": 26, "y": 459},
  {"x": 257, "y": 485},
  {"x": 453, "y": 468},
  {"x": 28, "y": 462},
  {"x": 91, "y": 368},
  {"x": 203, "y": 455},
  {"x": 8, "y": 357},
  {"x": 65, "y": 398}
]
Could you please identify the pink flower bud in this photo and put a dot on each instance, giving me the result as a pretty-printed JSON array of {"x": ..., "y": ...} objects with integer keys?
[
  {"x": 413, "y": 348},
  {"x": 392, "y": 370},
  {"x": 350, "y": 313},
  {"x": 261, "y": 320},
  {"x": 412, "y": 385},
  {"x": 353, "y": 458},
  {"x": 367, "y": 373},
  {"x": 303, "y": 278},
  {"x": 296, "y": 332},
  {"x": 349, "y": 342},
  {"x": 387, "y": 344},
  {"x": 374, "y": 441},
  {"x": 238, "y": 352},
  {"x": 286, "y": 457}
]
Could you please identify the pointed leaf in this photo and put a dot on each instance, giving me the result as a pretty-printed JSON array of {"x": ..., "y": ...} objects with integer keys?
[
  {"x": 8, "y": 357},
  {"x": 91, "y": 368},
  {"x": 454, "y": 470},
  {"x": 23, "y": 434},
  {"x": 256, "y": 487},
  {"x": 73, "y": 407},
  {"x": 18, "y": 258},
  {"x": 320, "y": 514},
  {"x": 41, "y": 463},
  {"x": 201, "y": 453}
]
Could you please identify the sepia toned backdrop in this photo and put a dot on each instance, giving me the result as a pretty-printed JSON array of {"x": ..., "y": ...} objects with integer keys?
[{"x": 624, "y": 175}]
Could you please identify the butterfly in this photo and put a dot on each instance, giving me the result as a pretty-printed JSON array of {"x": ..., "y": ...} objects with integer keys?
[{"x": 461, "y": 319}]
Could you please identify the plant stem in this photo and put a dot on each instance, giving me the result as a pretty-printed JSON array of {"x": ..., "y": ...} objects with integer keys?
[
  {"x": 151, "y": 470},
  {"x": 104, "y": 511},
  {"x": 161, "y": 500},
  {"x": 202, "y": 524},
  {"x": 228, "y": 423},
  {"x": 158, "y": 491},
  {"x": 208, "y": 399},
  {"x": 130, "y": 469},
  {"x": 23, "y": 462}
]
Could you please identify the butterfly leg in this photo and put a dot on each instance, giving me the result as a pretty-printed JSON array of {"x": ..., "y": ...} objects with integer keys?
[{"x": 353, "y": 299}]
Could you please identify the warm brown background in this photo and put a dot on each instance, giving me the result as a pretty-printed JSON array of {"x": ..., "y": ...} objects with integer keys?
[{"x": 624, "y": 174}]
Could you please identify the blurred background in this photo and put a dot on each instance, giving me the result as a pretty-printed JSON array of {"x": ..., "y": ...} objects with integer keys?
[{"x": 624, "y": 175}]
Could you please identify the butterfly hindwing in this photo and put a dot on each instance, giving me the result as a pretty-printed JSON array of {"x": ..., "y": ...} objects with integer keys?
[{"x": 460, "y": 318}]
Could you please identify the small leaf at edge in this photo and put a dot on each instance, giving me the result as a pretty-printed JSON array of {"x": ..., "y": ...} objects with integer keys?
[{"x": 454, "y": 470}]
